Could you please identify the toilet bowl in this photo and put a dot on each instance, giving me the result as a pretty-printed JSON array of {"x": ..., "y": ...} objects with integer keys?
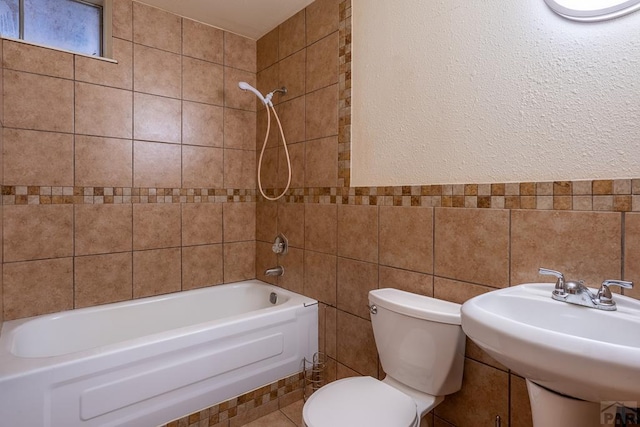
[
  {"x": 359, "y": 401},
  {"x": 421, "y": 348}
]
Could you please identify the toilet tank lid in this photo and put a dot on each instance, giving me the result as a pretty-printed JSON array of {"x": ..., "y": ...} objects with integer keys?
[{"x": 414, "y": 305}]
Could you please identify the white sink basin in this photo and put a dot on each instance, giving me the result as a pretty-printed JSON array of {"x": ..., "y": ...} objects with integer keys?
[{"x": 581, "y": 352}]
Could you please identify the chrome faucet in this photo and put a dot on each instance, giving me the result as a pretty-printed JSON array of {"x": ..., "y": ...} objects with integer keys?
[
  {"x": 575, "y": 292},
  {"x": 275, "y": 271}
]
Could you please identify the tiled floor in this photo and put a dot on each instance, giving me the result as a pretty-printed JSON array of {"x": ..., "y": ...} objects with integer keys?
[{"x": 289, "y": 416}]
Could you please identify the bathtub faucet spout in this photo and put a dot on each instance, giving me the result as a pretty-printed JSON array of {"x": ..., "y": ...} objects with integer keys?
[{"x": 275, "y": 271}]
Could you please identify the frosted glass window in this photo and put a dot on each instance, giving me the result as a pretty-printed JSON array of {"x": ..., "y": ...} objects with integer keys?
[
  {"x": 67, "y": 24},
  {"x": 10, "y": 18}
]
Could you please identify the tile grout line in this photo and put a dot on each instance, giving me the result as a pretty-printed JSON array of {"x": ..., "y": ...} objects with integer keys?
[
  {"x": 132, "y": 293},
  {"x": 181, "y": 148},
  {"x": 73, "y": 214}
]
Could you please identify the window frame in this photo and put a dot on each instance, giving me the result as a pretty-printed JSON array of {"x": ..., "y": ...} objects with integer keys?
[{"x": 106, "y": 44}]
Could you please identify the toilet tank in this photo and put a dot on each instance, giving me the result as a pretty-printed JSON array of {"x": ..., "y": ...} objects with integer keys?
[{"x": 419, "y": 339}]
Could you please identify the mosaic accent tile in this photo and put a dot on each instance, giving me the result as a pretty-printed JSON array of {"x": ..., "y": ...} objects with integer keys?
[
  {"x": 36, "y": 195},
  {"x": 600, "y": 195},
  {"x": 344, "y": 95},
  {"x": 242, "y": 405},
  {"x": 607, "y": 195}
]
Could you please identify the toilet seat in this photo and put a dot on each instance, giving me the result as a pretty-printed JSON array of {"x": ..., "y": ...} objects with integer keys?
[{"x": 360, "y": 401}]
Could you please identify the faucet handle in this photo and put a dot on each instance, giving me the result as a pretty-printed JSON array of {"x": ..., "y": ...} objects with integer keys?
[
  {"x": 559, "y": 290},
  {"x": 604, "y": 294},
  {"x": 280, "y": 245},
  {"x": 548, "y": 272}
]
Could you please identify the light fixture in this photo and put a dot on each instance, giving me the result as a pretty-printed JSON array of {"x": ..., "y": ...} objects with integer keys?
[{"x": 593, "y": 10}]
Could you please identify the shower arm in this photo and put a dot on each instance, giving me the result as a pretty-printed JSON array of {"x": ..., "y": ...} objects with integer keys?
[
  {"x": 282, "y": 90},
  {"x": 266, "y": 100}
]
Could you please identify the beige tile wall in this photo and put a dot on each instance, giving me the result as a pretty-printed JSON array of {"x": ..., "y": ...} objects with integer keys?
[
  {"x": 451, "y": 241},
  {"x": 115, "y": 174}
]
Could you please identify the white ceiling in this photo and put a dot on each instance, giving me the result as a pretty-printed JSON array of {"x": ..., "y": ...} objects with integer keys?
[{"x": 249, "y": 18}]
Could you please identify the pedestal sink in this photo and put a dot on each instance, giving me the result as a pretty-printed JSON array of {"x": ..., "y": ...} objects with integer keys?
[{"x": 580, "y": 352}]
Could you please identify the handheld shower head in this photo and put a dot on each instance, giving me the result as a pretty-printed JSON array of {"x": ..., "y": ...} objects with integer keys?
[
  {"x": 267, "y": 102},
  {"x": 246, "y": 86}
]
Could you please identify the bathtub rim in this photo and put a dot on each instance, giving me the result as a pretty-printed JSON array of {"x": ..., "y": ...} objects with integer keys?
[{"x": 12, "y": 365}]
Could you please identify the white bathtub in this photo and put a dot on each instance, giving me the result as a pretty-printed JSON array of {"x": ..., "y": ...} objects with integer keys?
[{"x": 148, "y": 361}]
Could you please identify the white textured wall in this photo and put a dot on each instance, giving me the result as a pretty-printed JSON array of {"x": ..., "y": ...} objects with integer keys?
[{"x": 478, "y": 91}]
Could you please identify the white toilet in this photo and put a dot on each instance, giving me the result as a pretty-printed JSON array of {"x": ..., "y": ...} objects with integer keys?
[{"x": 421, "y": 347}]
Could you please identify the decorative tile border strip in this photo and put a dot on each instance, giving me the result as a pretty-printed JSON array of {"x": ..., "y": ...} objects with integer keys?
[
  {"x": 344, "y": 96},
  {"x": 241, "y": 406},
  {"x": 44, "y": 195},
  {"x": 619, "y": 195}
]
